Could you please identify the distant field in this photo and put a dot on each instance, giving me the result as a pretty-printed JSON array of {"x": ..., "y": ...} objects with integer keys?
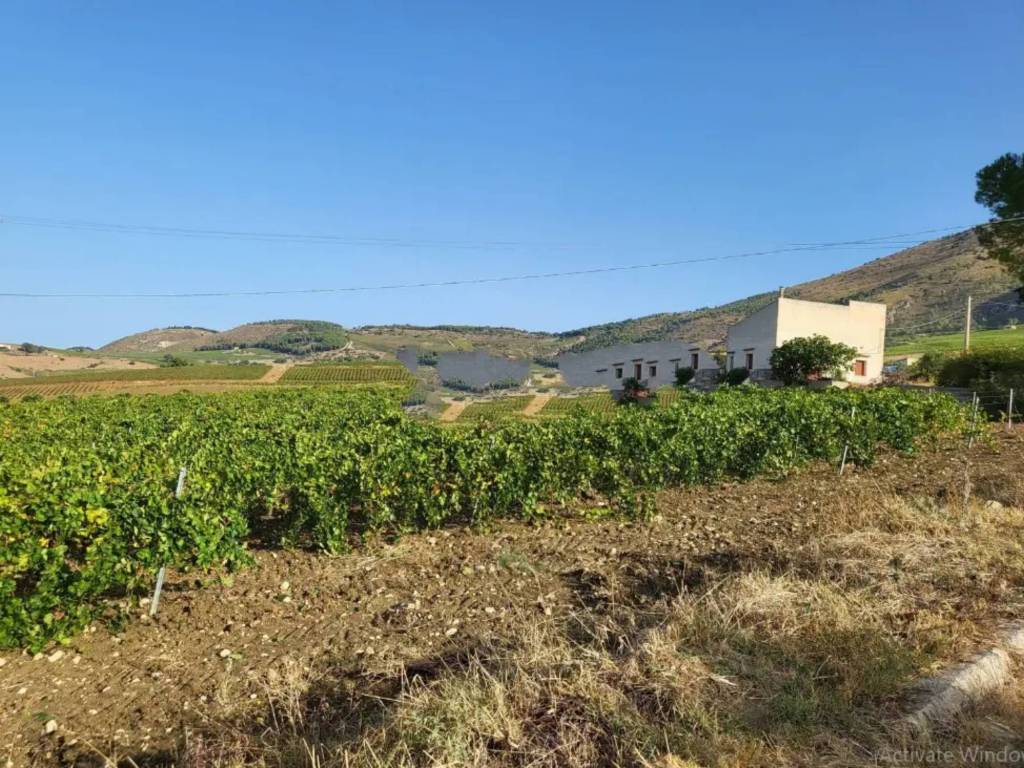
[
  {"x": 494, "y": 409},
  {"x": 83, "y": 388},
  {"x": 182, "y": 373},
  {"x": 347, "y": 373},
  {"x": 954, "y": 342},
  {"x": 248, "y": 356},
  {"x": 559, "y": 406}
]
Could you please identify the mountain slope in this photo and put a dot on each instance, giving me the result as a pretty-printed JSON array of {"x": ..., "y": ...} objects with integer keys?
[{"x": 925, "y": 288}]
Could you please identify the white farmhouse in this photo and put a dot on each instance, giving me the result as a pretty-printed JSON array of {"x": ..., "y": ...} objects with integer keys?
[
  {"x": 859, "y": 324},
  {"x": 653, "y": 362}
]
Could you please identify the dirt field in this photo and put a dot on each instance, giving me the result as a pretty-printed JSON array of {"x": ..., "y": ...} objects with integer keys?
[
  {"x": 214, "y": 663},
  {"x": 17, "y": 365}
]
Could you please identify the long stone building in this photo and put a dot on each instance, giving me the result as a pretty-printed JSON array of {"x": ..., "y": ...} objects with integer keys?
[{"x": 653, "y": 362}]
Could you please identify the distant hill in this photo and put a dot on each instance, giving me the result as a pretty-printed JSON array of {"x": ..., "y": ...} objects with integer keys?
[
  {"x": 292, "y": 337},
  {"x": 925, "y": 288},
  {"x": 159, "y": 339}
]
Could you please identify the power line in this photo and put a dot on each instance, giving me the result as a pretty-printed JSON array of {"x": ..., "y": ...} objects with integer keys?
[
  {"x": 829, "y": 245},
  {"x": 274, "y": 237},
  {"x": 316, "y": 238},
  {"x": 430, "y": 284}
]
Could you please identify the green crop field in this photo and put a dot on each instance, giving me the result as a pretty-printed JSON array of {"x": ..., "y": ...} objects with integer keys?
[
  {"x": 501, "y": 407},
  {"x": 954, "y": 342},
  {"x": 209, "y": 372},
  {"x": 348, "y": 373},
  {"x": 88, "y": 507}
]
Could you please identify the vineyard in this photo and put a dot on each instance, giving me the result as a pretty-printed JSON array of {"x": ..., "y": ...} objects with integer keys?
[
  {"x": 347, "y": 374},
  {"x": 84, "y": 388},
  {"x": 87, "y": 487},
  {"x": 495, "y": 409},
  {"x": 210, "y": 372},
  {"x": 595, "y": 403}
]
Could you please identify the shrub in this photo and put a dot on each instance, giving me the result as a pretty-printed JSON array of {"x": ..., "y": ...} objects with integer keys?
[
  {"x": 173, "y": 361},
  {"x": 807, "y": 358},
  {"x": 684, "y": 376},
  {"x": 32, "y": 349},
  {"x": 635, "y": 392},
  {"x": 927, "y": 367},
  {"x": 735, "y": 376},
  {"x": 973, "y": 367},
  {"x": 416, "y": 397}
]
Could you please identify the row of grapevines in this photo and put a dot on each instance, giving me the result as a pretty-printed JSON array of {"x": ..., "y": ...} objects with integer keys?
[
  {"x": 347, "y": 374},
  {"x": 87, "y": 503},
  {"x": 495, "y": 409},
  {"x": 559, "y": 406},
  {"x": 206, "y": 372}
]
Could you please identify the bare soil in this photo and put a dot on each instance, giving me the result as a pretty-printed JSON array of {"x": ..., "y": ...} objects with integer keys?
[
  {"x": 426, "y": 597},
  {"x": 19, "y": 365}
]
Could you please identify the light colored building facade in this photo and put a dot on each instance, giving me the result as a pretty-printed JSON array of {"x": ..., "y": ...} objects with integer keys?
[
  {"x": 859, "y": 324},
  {"x": 653, "y": 362}
]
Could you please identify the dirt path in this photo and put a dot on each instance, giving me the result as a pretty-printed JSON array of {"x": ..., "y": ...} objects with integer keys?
[
  {"x": 205, "y": 658},
  {"x": 275, "y": 373},
  {"x": 455, "y": 407},
  {"x": 534, "y": 406}
]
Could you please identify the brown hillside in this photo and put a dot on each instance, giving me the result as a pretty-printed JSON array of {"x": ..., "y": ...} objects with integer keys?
[{"x": 160, "y": 339}]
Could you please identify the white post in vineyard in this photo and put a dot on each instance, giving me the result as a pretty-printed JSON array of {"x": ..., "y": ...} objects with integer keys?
[
  {"x": 178, "y": 491},
  {"x": 974, "y": 419},
  {"x": 846, "y": 447}
]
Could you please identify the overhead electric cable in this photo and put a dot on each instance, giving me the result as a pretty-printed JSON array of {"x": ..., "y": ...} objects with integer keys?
[{"x": 830, "y": 245}]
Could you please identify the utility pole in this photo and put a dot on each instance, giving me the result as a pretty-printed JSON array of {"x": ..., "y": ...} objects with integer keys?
[{"x": 967, "y": 327}]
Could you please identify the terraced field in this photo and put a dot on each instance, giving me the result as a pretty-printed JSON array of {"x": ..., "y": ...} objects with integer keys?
[{"x": 361, "y": 373}]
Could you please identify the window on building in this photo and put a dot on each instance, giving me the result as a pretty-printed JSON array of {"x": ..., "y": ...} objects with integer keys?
[
  {"x": 694, "y": 360},
  {"x": 860, "y": 367},
  {"x": 750, "y": 361},
  {"x": 731, "y": 362},
  {"x": 652, "y": 370},
  {"x": 618, "y": 371},
  {"x": 638, "y": 370}
]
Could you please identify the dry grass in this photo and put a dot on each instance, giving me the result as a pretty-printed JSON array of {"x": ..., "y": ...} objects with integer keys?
[{"x": 809, "y": 664}]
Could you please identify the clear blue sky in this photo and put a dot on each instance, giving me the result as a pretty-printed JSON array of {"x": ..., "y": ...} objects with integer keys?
[{"x": 586, "y": 133}]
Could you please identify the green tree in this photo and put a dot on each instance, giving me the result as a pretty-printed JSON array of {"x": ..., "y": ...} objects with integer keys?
[
  {"x": 1001, "y": 190},
  {"x": 806, "y": 358}
]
